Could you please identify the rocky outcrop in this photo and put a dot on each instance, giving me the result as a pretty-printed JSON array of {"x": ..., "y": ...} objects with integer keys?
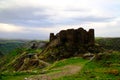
[
  {"x": 69, "y": 43},
  {"x": 26, "y": 62},
  {"x": 37, "y": 44}
]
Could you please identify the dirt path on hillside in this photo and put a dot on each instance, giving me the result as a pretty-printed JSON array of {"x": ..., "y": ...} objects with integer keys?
[{"x": 64, "y": 71}]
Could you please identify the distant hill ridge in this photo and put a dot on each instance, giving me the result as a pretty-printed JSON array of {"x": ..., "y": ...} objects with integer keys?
[{"x": 6, "y": 46}]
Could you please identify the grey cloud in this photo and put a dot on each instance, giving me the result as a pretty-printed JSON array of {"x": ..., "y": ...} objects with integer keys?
[
  {"x": 25, "y": 16},
  {"x": 77, "y": 9},
  {"x": 84, "y": 20},
  {"x": 94, "y": 19}
]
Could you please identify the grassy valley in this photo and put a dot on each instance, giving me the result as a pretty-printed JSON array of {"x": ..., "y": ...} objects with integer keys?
[{"x": 6, "y": 46}]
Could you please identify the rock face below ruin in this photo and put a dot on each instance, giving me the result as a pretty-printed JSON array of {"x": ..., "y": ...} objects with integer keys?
[{"x": 70, "y": 42}]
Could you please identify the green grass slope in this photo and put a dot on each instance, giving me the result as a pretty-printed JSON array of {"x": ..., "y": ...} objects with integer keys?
[
  {"x": 105, "y": 66},
  {"x": 53, "y": 69}
]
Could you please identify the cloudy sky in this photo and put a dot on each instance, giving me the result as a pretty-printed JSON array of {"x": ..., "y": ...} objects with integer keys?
[{"x": 35, "y": 19}]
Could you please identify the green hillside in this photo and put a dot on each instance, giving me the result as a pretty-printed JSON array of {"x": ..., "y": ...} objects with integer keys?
[
  {"x": 105, "y": 66},
  {"x": 100, "y": 66},
  {"x": 109, "y": 43}
]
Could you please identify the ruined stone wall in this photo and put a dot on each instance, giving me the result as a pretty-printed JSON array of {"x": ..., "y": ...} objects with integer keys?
[{"x": 74, "y": 37}]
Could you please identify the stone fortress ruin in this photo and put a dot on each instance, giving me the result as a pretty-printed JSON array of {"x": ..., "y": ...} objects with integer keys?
[
  {"x": 70, "y": 42},
  {"x": 74, "y": 36}
]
